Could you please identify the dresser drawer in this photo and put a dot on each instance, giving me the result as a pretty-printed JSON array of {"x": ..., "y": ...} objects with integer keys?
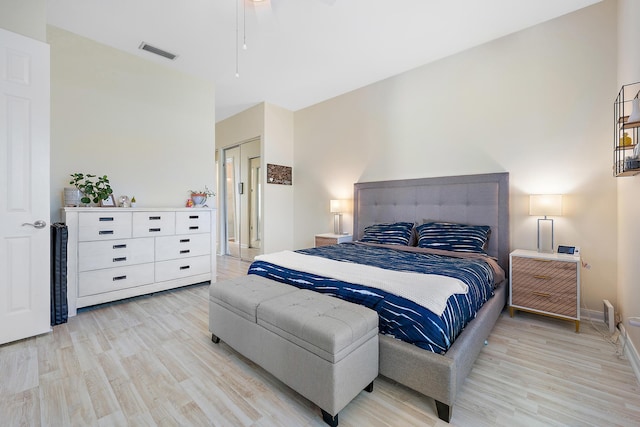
[
  {"x": 188, "y": 245},
  {"x": 193, "y": 222},
  {"x": 114, "y": 253},
  {"x": 113, "y": 279},
  {"x": 556, "y": 270},
  {"x": 147, "y": 224},
  {"x": 549, "y": 302},
  {"x": 178, "y": 268},
  {"x": 104, "y": 226}
]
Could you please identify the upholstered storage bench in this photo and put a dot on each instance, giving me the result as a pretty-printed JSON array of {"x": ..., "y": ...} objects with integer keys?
[{"x": 324, "y": 348}]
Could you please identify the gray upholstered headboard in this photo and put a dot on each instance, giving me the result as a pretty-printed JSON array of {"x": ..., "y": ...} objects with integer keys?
[{"x": 469, "y": 199}]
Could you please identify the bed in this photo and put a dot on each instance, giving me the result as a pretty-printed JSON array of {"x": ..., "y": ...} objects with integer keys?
[{"x": 436, "y": 368}]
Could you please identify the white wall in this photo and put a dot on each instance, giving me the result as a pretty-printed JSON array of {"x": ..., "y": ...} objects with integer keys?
[
  {"x": 536, "y": 104},
  {"x": 628, "y": 302},
  {"x": 26, "y": 17},
  {"x": 151, "y": 129}
]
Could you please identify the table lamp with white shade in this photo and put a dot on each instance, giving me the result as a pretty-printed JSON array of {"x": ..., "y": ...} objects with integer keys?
[{"x": 545, "y": 205}]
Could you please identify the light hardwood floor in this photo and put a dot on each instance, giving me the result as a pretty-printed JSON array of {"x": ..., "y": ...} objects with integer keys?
[{"x": 150, "y": 361}]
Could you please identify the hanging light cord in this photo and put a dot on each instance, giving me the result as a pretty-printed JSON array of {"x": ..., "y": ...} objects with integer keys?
[
  {"x": 237, "y": 67},
  {"x": 244, "y": 24}
]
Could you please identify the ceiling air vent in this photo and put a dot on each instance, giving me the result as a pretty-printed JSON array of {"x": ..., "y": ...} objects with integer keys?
[{"x": 155, "y": 50}]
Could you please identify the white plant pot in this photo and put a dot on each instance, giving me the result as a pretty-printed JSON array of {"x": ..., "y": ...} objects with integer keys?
[
  {"x": 198, "y": 200},
  {"x": 72, "y": 197}
]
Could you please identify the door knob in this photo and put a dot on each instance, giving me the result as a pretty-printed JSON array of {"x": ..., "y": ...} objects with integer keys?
[{"x": 38, "y": 224}]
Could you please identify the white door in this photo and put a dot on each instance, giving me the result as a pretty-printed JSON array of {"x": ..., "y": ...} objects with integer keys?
[{"x": 24, "y": 187}]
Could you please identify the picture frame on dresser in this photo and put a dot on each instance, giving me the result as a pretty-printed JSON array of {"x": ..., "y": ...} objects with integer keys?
[{"x": 109, "y": 202}]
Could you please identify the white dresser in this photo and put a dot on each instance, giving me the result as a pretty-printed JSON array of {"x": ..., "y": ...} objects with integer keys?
[{"x": 116, "y": 253}]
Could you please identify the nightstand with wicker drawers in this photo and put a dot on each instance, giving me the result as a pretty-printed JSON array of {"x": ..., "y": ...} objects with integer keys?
[{"x": 545, "y": 283}]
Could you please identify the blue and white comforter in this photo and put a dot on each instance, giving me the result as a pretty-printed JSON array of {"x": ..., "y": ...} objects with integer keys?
[{"x": 399, "y": 317}]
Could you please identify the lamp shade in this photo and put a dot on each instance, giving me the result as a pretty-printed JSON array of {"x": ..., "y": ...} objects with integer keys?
[
  {"x": 545, "y": 204},
  {"x": 338, "y": 206}
]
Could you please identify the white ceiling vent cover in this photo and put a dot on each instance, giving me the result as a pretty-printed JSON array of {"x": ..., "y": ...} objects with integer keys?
[{"x": 157, "y": 51}]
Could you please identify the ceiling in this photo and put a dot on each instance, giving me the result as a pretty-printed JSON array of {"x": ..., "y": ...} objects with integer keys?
[{"x": 299, "y": 52}]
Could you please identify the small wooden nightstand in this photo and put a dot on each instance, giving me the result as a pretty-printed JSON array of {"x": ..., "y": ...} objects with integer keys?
[
  {"x": 545, "y": 283},
  {"x": 332, "y": 239}
]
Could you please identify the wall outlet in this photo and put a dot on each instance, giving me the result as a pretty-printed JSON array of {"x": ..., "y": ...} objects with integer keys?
[{"x": 609, "y": 317}]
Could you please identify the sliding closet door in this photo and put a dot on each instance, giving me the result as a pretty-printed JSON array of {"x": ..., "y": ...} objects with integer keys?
[{"x": 242, "y": 199}]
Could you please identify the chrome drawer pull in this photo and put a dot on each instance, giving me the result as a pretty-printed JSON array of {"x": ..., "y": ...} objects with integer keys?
[
  {"x": 185, "y": 267},
  {"x": 539, "y": 276},
  {"x": 123, "y": 258},
  {"x": 193, "y": 227},
  {"x": 101, "y": 232},
  {"x": 154, "y": 218},
  {"x": 105, "y": 218},
  {"x": 541, "y": 294},
  {"x": 185, "y": 240},
  {"x": 119, "y": 278},
  {"x": 194, "y": 216},
  {"x": 154, "y": 230},
  {"x": 185, "y": 251},
  {"x": 121, "y": 246}
]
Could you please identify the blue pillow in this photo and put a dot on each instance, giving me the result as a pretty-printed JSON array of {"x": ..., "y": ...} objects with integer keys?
[
  {"x": 398, "y": 233},
  {"x": 453, "y": 237}
]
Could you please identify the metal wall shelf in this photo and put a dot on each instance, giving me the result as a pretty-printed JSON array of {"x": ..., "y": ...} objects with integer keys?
[{"x": 626, "y": 158}]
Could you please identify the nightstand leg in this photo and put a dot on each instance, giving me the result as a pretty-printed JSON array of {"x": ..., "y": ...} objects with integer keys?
[
  {"x": 577, "y": 326},
  {"x": 511, "y": 310}
]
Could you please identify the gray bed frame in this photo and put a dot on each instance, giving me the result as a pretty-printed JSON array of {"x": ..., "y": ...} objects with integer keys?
[{"x": 470, "y": 199}]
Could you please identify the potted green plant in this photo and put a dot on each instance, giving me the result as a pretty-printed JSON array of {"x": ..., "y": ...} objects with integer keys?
[
  {"x": 93, "y": 190},
  {"x": 199, "y": 197}
]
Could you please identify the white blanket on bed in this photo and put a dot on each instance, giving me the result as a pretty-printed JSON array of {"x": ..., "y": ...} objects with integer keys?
[{"x": 429, "y": 290}]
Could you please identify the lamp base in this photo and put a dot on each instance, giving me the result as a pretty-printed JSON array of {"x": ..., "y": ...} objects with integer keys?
[
  {"x": 337, "y": 223},
  {"x": 544, "y": 243}
]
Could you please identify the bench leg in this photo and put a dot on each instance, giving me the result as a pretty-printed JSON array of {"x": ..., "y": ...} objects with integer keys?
[
  {"x": 215, "y": 339},
  {"x": 444, "y": 411},
  {"x": 369, "y": 388},
  {"x": 327, "y": 418}
]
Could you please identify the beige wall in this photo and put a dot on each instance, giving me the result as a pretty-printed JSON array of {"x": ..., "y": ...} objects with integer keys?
[
  {"x": 274, "y": 127},
  {"x": 628, "y": 302},
  {"x": 151, "y": 129},
  {"x": 26, "y": 17},
  {"x": 536, "y": 104},
  {"x": 278, "y": 207}
]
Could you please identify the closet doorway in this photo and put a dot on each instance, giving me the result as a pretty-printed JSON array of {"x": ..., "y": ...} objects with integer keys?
[{"x": 242, "y": 200}]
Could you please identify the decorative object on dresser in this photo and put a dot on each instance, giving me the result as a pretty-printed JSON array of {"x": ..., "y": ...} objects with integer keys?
[
  {"x": 115, "y": 254},
  {"x": 92, "y": 190},
  {"x": 199, "y": 197},
  {"x": 332, "y": 239},
  {"x": 337, "y": 208},
  {"x": 545, "y": 205},
  {"x": 547, "y": 284},
  {"x": 124, "y": 202}
]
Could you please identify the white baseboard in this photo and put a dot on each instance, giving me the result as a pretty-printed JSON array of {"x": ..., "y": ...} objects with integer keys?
[
  {"x": 630, "y": 351},
  {"x": 594, "y": 315}
]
